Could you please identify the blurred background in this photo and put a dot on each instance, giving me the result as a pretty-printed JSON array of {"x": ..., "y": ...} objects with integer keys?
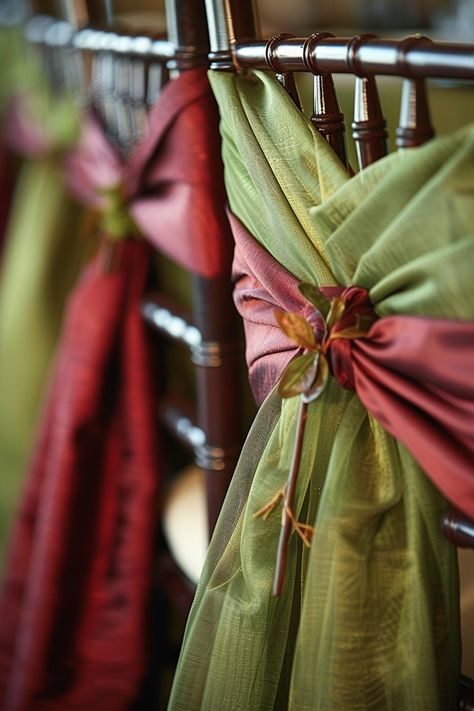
[{"x": 446, "y": 17}]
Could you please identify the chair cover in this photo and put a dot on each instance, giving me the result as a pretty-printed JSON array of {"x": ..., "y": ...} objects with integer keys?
[
  {"x": 368, "y": 617},
  {"x": 73, "y": 617}
]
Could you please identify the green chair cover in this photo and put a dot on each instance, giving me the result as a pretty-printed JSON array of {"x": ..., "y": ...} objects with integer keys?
[
  {"x": 40, "y": 260},
  {"x": 368, "y": 618}
]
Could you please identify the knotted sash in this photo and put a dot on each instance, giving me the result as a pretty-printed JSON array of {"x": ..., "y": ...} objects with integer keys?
[
  {"x": 414, "y": 375},
  {"x": 73, "y": 614},
  {"x": 368, "y": 615}
]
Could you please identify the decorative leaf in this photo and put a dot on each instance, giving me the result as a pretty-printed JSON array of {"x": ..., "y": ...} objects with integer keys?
[
  {"x": 320, "y": 381},
  {"x": 316, "y": 297},
  {"x": 335, "y": 312},
  {"x": 115, "y": 219},
  {"x": 351, "y": 332},
  {"x": 360, "y": 329},
  {"x": 297, "y": 328},
  {"x": 298, "y": 375}
]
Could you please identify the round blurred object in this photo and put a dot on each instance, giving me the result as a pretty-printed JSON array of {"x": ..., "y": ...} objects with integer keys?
[{"x": 185, "y": 521}]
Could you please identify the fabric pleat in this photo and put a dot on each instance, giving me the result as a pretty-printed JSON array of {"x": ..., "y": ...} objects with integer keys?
[
  {"x": 368, "y": 617},
  {"x": 427, "y": 403},
  {"x": 78, "y": 577}
]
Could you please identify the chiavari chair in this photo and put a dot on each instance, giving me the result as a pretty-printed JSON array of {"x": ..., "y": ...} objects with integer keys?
[
  {"x": 236, "y": 46},
  {"x": 119, "y": 73},
  {"x": 126, "y": 72},
  {"x": 209, "y": 331}
]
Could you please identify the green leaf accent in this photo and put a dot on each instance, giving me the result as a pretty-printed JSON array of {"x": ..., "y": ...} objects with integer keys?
[
  {"x": 316, "y": 297},
  {"x": 335, "y": 312},
  {"x": 359, "y": 330},
  {"x": 320, "y": 382},
  {"x": 298, "y": 375},
  {"x": 351, "y": 332},
  {"x": 115, "y": 219},
  {"x": 297, "y": 328}
]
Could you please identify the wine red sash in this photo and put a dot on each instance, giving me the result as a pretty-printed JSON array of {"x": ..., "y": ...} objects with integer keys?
[
  {"x": 415, "y": 375},
  {"x": 73, "y": 615},
  {"x": 173, "y": 181}
]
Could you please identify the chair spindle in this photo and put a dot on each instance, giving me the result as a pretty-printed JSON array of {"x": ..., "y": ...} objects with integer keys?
[
  {"x": 229, "y": 22},
  {"x": 458, "y": 529},
  {"x": 415, "y": 125},
  {"x": 286, "y": 79},
  {"x": 369, "y": 128},
  {"x": 327, "y": 116}
]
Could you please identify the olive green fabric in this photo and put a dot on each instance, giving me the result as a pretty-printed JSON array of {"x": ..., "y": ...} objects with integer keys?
[
  {"x": 12, "y": 57},
  {"x": 39, "y": 263},
  {"x": 39, "y": 266},
  {"x": 368, "y": 618}
]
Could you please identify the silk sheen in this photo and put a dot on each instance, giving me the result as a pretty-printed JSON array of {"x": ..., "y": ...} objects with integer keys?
[{"x": 368, "y": 618}]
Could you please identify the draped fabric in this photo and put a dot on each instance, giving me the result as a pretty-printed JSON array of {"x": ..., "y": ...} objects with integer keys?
[
  {"x": 73, "y": 617},
  {"x": 414, "y": 374},
  {"x": 41, "y": 257},
  {"x": 368, "y": 617},
  {"x": 177, "y": 166}
]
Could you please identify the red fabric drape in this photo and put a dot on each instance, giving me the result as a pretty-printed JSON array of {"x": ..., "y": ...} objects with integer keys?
[
  {"x": 73, "y": 623},
  {"x": 414, "y": 375}
]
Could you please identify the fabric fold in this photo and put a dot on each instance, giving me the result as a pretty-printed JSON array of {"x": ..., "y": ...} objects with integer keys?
[
  {"x": 368, "y": 617},
  {"x": 74, "y": 605},
  {"x": 415, "y": 375},
  {"x": 177, "y": 164},
  {"x": 39, "y": 266}
]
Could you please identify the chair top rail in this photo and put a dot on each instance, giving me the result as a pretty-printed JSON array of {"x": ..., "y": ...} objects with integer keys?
[
  {"x": 45, "y": 30},
  {"x": 413, "y": 57}
]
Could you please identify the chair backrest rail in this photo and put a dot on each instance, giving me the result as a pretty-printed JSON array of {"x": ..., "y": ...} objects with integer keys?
[{"x": 412, "y": 57}]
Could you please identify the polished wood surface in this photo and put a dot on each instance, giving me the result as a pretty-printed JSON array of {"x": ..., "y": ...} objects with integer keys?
[
  {"x": 369, "y": 128},
  {"x": 374, "y": 55},
  {"x": 326, "y": 116}
]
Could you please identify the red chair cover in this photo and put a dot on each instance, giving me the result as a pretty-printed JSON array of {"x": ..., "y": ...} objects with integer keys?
[
  {"x": 414, "y": 375},
  {"x": 73, "y": 615}
]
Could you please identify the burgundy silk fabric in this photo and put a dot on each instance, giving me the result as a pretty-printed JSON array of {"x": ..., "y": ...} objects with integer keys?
[
  {"x": 73, "y": 615},
  {"x": 415, "y": 375},
  {"x": 173, "y": 181}
]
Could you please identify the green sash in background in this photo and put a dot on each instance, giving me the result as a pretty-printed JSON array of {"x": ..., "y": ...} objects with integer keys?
[
  {"x": 41, "y": 257},
  {"x": 369, "y": 614}
]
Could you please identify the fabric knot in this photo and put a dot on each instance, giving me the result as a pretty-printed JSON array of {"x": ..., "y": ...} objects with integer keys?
[
  {"x": 358, "y": 315},
  {"x": 338, "y": 316},
  {"x": 111, "y": 222},
  {"x": 114, "y": 220}
]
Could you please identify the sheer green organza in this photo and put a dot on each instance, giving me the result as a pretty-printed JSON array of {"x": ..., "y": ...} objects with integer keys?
[{"x": 369, "y": 616}]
